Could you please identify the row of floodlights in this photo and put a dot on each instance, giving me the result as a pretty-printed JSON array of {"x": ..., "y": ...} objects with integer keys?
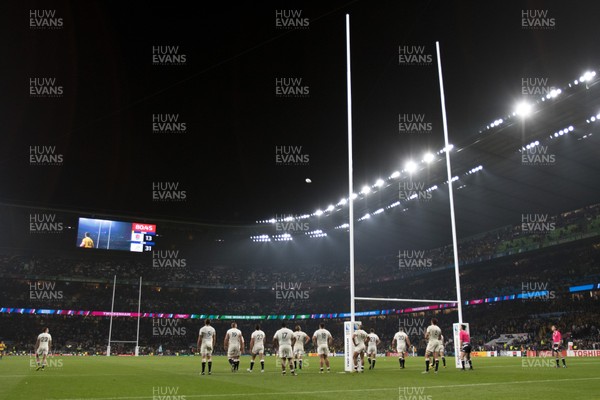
[
  {"x": 410, "y": 167},
  {"x": 523, "y": 109}
]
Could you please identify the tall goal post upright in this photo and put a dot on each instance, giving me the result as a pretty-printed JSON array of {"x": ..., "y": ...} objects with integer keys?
[
  {"x": 350, "y": 170},
  {"x": 349, "y": 327},
  {"x": 137, "y": 337},
  {"x": 455, "y": 327},
  {"x": 112, "y": 309},
  {"x": 450, "y": 191}
]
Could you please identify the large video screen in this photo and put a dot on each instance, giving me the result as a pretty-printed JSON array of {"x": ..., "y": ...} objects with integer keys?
[{"x": 115, "y": 235}]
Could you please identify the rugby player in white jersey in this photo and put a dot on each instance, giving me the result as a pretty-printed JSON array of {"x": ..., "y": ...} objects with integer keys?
[
  {"x": 442, "y": 351},
  {"x": 284, "y": 339},
  {"x": 322, "y": 339},
  {"x": 301, "y": 339},
  {"x": 257, "y": 348},
  {"x": 43, "y": 344},
  {"x": 373, "y": 341},
  {"x": 434, "y": 344},
  {"x": 234, "y": 343},
  {"x": 402, "y": 344},
  {"x": 359, "y": 338},
  {"x": 207, "y": 338}
]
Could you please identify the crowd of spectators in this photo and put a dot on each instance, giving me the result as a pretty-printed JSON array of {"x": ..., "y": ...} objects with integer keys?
[{"x": 569, "y": 255}]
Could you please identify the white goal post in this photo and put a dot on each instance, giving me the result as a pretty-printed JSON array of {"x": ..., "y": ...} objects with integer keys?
[
  {"x": 350, "y": 326},
  {"x": 112, "y": 313}
]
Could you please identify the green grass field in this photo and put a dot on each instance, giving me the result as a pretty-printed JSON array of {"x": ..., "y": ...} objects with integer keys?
[{"x": 158, "y": 378}]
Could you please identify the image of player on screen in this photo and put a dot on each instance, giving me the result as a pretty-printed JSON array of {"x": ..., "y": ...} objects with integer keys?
[{"x": 87, "y": 242}]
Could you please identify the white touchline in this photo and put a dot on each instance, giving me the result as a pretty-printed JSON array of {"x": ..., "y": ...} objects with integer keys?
[{"x": 336, "y": 391}]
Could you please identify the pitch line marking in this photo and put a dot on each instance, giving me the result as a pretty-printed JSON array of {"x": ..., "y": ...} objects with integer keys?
[{"x": 336, "y": 391}]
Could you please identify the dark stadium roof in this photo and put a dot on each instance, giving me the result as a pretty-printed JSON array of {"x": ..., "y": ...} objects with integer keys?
[{"x": 225, "y": 92}]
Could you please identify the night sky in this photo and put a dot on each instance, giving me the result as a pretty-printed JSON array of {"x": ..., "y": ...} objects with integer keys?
[{"x": 222, "y": 83}]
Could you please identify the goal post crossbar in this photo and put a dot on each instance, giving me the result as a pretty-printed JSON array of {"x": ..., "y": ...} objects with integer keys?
[{"x": 404, "y": 300}]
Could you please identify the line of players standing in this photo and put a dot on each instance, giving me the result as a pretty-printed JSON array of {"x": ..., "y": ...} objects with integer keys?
[{"x": 291, "y": 347}]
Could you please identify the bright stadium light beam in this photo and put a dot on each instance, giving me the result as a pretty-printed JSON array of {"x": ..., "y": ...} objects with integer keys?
[
  {"x": 379, "y": 183},
  {"x": 428, "y": 157},
  {"x": 365, "y": 190},
  {"x": 319, "y": 212},
  {"x": 523, "y": 109},
  {"x": 587, "y": 76},
  {"x": 410, "y": 166},
  {"x": 395, "y": 174}
]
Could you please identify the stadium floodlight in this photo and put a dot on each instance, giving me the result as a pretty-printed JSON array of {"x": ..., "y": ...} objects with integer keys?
[
  {"x": 395, "y": 174},
  {"x": 260, "y": 238},
  {"x": 283, "y": 237},
  {"x": 379, "y": 211},
  {"x": 288, "y": 219},
  {"x": 394, "y": 204},
  {"x": 523, "y": 109},
  {"x": 570, "y": 128},
  {"x": 379, "y": 183},
  {"x": 319, "y": 212},
  {"x": 330, "y": 208},
  {"x": 593, "y": 119},
  {"x": 342, "y": 202},
  {"x": 365, "y": 190},
  {"x": 366, "y": 216},
  {"x": 587, "y": 76},
  {"x": 428, "y": 157},
  {"x": 410, "y": 166},
  {"x": 353, "y": 196}
]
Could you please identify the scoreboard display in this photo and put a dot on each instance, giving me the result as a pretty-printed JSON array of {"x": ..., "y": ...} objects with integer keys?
[
  {"x": 142, "y": 237},
  {"x": 106, "y": 234}
]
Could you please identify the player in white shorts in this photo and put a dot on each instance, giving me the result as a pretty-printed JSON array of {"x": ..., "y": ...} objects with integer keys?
[
  {"x": 207, "y": 338},
  {"x": 322, "y": 339},
  {"x": 257, "y": 347},
  {"x": 402, "y": 344},
  {"x": 359, "y": 338},
  {"x": 43, "y": 344},
  {"x": 301, "y": 339},
  {"x": 284, "y": 338},
  {"x": 442, "y": 350},
  {"x": 434, "y": 344},
  {"x": 373, "y": 341},
  {"x": 234, "y": 343}
]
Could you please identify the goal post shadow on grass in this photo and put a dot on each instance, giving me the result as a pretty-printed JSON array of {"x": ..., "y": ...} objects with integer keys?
[{"x": 348, "y": 331}]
